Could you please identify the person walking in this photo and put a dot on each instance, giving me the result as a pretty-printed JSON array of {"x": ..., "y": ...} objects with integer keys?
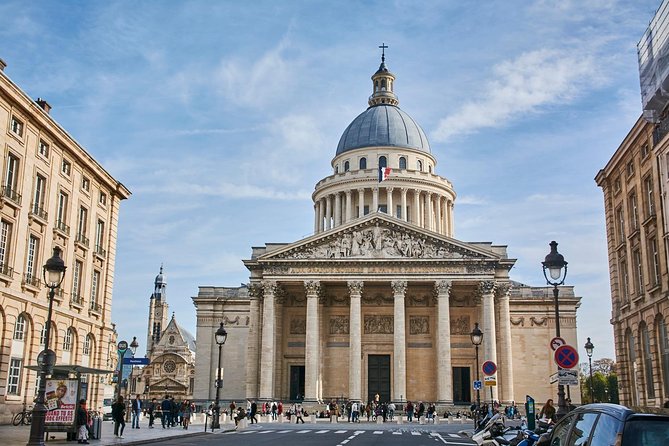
[
  {"x": 548, "y": 411},
  {"x": 82, "y": 423},
  {"x": 186, "y": 410},
  {"x": 151, "y": 411},
  {"x": 409, "y": 411},
  {"x": 166, "y": 408},
  {"x": 298, "y": 414},
  {"x": 254, "y": 410},
  {"x": 118, "y": 415},
  {"x": 136, "y": 411}
]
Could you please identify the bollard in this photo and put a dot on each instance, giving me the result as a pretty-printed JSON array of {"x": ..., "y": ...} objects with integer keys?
[
  {"x": 399, "y": 419},
  {"x": 379, "y": 419}
]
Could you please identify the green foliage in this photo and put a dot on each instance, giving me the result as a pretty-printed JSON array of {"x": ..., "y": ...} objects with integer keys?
[{"x": 604, "y": 388}]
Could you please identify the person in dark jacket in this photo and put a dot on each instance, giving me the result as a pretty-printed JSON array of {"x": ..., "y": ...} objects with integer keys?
[
  {"x": 118, "y": 414},
  {"x": 82, "y": 423},
  {"x": 166, "y": 407},
  {"x": 152, "y": 411},
  {"x": 254, "y": 410}
]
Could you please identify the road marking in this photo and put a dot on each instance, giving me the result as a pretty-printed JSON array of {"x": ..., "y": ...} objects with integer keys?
[
  {"x": 340, "y": 432},
  {"x": 449, "y": 442},
  {"x": 397, "y": 433},
  {"x": 322, "y": 432},
  {"x": 454, "y": 435},
  {"x": 284, "y": 432},
  {"x": 344, "y": 442},
  {"x": 303, "y": 432},
  {"x": 415, "y": 433},
  {"x": 265, "y": 432},
  {"x": 378, "y": 432}
]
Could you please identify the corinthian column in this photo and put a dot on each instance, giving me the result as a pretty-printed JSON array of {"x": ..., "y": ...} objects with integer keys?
[
  {"x": 389, "y": 201},
  {"x": 349, "y": 206},
  {"x": 487, "y": 290},
  {"x": 399, "y": 346},
  {"x": 355, "y": 342},
  {"x": 312, "y": 342},
  {"x": 438, "y": 226},
  {"x": 375, "y": 199},
  {"x": 444, "y": 367},
  {"x": 361, "y": 203},
  {"x": 404, "y": 203},
  {"x": 506, "y": 346},
  {"x": 328, "y": 212},
  {"x": 321, "y": 215},
  {"x": 337, "y": 210},
  {"x": 415, "y": 218},
  {"x": 268, "y": 342},
  {"x": 253, "y": 354}
]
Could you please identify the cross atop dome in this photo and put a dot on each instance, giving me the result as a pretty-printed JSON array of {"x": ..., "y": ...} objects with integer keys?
[{"x": 382, "y": 80}]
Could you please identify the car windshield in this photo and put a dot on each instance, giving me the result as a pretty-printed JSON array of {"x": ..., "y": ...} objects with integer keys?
[{"x": 646, "y": 432}]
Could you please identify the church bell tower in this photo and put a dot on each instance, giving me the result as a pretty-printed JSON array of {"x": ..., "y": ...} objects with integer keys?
[{"x": 158, "y": 310}]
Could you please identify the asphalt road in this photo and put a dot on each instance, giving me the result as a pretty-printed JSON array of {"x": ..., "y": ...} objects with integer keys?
[{"x": 327, "y": 435}]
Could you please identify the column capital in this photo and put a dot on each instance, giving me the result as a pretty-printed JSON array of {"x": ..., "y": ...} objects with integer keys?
[
  {"x": 313, "y": 287},
  {"x": 503, "y": 290},
  {"x": 403, "y": 189},
  {"x": 486, "y": 287},
  {"x": 389, "y": 189},
  {"x": 355, "y": 287},
  {"x": 255, "y": 290},
  {"x": 270, "y": 287},
  {"x": 443, "y": 287},
  {"x": 361, "y": 190},
  {"x": 399, "y": 287},
  {"x": 349, "y": 192}
]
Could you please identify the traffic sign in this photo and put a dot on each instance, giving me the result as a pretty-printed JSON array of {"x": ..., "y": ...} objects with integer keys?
[
  {"x": 568, "y": 377},
  {"x": 554, "y": 378},
  {"x": 557, "y": 342},
  {"x": 489, "y": 368},
  {"x": 122, "y": 347},
  {"x": 477, "y": 385},
  {"x": 566, "y": 357},
  {"x": 490, "y": 381},
  {"x": 136, "y": 361}
]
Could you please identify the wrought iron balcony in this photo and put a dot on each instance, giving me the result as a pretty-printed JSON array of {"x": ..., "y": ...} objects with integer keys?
[
  {"x": 6, "y": 270},
  {"x": 62, "y": 227},
  {"x": 82, "y": 239},
  {"x": 95, "y": 307},
  {"x": 100, "y": 251},
  {"x": 38, "y": 211},
  {"x": 76, "y": 300},
  {"x": 31, "y": 280},
  {"x": 11, "y": 195}
]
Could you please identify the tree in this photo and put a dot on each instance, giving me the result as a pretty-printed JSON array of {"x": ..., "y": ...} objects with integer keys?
[{"x": 604, "y": 382}]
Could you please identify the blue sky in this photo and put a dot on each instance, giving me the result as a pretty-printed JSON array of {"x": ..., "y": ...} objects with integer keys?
[{"x": 221, "y": 116}]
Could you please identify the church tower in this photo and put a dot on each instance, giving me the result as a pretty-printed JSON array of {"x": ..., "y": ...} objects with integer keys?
[{"x": 158, "y": 309}]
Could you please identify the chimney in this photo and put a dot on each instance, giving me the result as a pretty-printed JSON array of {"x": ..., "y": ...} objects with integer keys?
[
  {"x": 44, "y": 104},
  {"x": 3, "y": 64}
]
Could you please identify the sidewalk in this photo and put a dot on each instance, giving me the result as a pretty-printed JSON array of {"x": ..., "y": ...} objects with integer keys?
[{"x": 18, "y": 435}]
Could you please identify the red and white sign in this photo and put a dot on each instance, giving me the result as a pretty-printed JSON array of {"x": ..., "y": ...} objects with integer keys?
[
  {"x": 566, "y": 357},
  {"x": 557, "y": 342}
]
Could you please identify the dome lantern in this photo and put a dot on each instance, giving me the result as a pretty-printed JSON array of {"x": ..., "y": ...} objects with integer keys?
[{"x": 382, "y": 84}]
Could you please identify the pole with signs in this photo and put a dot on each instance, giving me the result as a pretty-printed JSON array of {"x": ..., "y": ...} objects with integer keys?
[{"x": 122, "y": 347}]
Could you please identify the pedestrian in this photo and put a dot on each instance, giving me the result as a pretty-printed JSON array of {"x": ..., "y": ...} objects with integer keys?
[
  {"x": 152, "y": 412},
  {"x": 174, "y": 410},
  {"x": 186, "y": 411},
  {"x": 136, "y": 411},
  {"x": 254, "y": 410},
  {"x": 421, "y": 411},
  {"x": 166, "y": 408},
  {"x": 409, "y": 411},
  {"x": 274, "y": 410},
  {"x": 391, "y": 411},
  {"x": 548, "y": 411},
  {"x": 82, "y": 422},
  {"x": 298, "y": 414},
  {"x": 118, "y": 415}
]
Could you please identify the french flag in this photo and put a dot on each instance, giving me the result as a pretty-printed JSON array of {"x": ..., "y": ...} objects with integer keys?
[{"x": 384, "y": 173}]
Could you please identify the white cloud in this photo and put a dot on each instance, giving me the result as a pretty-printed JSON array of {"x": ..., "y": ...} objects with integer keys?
[{"x": 533, "y": 80}]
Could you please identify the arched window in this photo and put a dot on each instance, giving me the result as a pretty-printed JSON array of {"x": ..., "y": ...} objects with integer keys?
[
  {"x": 647, "y": 361},
  {"x": 429, "y": 168},
  {"x": 663, "y": 349},
  {"x": 403, "y": 162},
  {"x": 20, "y": 328},
  {"x": 336, "y": 169},
  {"x": 383, "y": 85},
  {"x": 419, "y": 165},
  {"x": 376, "y": 85},
  {"x": 363, "y": 163},
  {"x": 87, "y": 345},
  {"x": 383, "y": 162},
  {"x": 347, "y": 166},
  {"x": 42, "y": 335},
  {"x": 67, "y": 340}
]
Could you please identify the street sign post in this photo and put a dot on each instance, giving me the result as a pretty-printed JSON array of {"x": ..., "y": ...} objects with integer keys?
[
  {"x": 490, "y": 381},
  {"x": 557, "y": 342},
  {"x": 568, "y": 377},
  {"x": 489, "y": 368},
  {"x": 554, "y": 378},
  {"x": 566, "y": 357},
  {"x": 122, "y": 347},
  {"x": 136, "y": 361}
]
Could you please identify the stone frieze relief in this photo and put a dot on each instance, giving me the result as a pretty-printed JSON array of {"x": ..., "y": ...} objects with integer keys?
[
  {"x": 376, "y": 324},
  {"x": 339, "y": 325},
  {"x": 419, "y": 325},
  {"x": 460, "y": 325}
]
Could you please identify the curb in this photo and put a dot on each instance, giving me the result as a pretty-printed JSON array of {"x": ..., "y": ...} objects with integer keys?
[{"x": 161, "y": 439}]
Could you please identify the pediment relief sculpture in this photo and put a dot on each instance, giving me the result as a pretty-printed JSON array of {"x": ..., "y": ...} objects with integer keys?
[{"x": 379, "y": 242}]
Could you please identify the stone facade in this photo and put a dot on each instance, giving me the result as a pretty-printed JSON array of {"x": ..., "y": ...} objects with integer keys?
[
  {"x": 382, "y": 298},
  {"x": 634, "y": 183},
  {"x": 53, "y": 194}
]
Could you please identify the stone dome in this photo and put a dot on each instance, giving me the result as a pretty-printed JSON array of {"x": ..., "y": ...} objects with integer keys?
[{"x": 383, "y": 125}]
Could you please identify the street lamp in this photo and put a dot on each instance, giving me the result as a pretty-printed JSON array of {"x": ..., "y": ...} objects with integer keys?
[
  {"x": 221, "y": 335},
  {"x": 477, "y": 338},
  {"x": 589, "y": 348},
  {"x": 554, "y": 265},
  {"x": 53, "y": 273}
]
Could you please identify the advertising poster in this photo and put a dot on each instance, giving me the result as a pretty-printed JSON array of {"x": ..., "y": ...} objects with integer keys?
[{"x": 61, "y": 400}]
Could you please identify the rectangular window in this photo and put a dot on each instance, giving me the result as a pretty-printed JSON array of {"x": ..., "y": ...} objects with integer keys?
[
  {"x": 32, "y": 261},
  {"x": 66, "y": 168},
  {"x": 398, "y": 211},
  {"x": 634, "y": 216},
  {"x": 383, "y": 208},
  {"x": 38, "y": 198},
  {"x": 616, "y": 185},
  {"x": 17, "y": 127},
  {"x": 638, "y": 273},
  {"x": 620, "y": 218},
  {"x": 43, "y": 148},
  {"x": 647, "y": 363},
  {"x": 625, "y": 282},
  {"x": 644, "y": 150},
  {"x": 12, "y": 173},
  {"x": 102, "y": 199},
  {"x": 655, "y": 262},
  {"x": 99, "y": 235},
  {"x": 365, "y": 210},
  {"x": 14, "y": 376},
  {"x": 95, "y": 280},
  {"x": 5, "y": 239},
  {"x": 62, "y": 209},
  {"x": 76, "y": 281},
  {"x": 630, "y": 168},
  {"x": 83, "y": 221},
  {"x": 650, "y": 205},
  {"x": 86, "y": 184}
]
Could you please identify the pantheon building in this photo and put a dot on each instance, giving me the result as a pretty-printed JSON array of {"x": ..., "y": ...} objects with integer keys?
[{"x": 382, "y": 298}]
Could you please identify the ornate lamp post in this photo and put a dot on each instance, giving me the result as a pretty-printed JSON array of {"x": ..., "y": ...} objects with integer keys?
[
  {"x": 477, "y": 337},
  {"x": 553, "y": 266},
  {"x": 122, "y": 348},
  {"x": 589, "y": 348},
  {"x": 221, "y": 335},
  {"x": 53, "y": 273}
]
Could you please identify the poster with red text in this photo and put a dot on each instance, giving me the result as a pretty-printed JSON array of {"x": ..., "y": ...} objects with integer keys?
[{"x": 61, "y": 400}]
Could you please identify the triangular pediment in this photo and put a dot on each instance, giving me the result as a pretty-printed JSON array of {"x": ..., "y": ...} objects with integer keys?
[
  {"x": 379, "y": 236},
  {"x": 168, "y": 383}
]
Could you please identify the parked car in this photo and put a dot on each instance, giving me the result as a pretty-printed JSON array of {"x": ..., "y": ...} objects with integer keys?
[
  {"x": 106, "y": 409},
  {"x": 609, "y": 425}
]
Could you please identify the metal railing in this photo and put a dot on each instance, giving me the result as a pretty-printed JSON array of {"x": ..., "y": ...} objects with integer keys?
[
  {"x": 95, "y": 307},
  {"x": 11, "y": 194},
  {"x": 39, "y": 211},
  {"x": 75, "y": 299},
  {"x": 62, "y": 227},
  {"x": 82, "y": 239},
  {"x": 29, "y": 279},
  {"x": 99, "y": 250},
  {"x": 6, "y": 270}
]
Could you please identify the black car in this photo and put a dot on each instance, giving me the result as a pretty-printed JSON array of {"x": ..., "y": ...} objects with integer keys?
[{"x": 610, "y": 425}]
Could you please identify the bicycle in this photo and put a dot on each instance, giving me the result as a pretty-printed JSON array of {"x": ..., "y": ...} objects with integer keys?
[{"x": 23, "y": 417}]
